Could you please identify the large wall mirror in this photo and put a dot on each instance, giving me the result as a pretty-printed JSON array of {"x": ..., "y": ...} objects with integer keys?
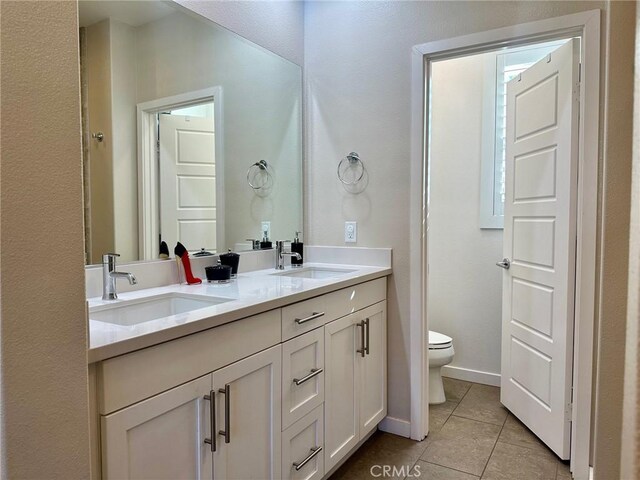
[{"x": 190, "y": 133}]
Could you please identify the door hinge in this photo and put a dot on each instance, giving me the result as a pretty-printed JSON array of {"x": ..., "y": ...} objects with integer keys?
[
  {"x": 580, "y": 72},
  {"x": 568, "y": 412}
]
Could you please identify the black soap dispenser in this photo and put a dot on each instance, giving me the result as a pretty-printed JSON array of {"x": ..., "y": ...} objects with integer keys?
[
  {"x": 265, "y": 243},
  {"x": 297, "y": 247}
]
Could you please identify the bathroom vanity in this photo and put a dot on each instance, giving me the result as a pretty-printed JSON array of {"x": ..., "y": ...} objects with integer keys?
[{"x": 275, "y": 375}]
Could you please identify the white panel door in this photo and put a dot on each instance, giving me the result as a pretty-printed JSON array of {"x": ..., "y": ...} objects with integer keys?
[
  {"x": 341, "y": 387},
  {"x": 249, "y": 392},
  {"x": 539, "y": 240},
  {"x": 160, "y": 438},
  {"x": 373, "y": 371},
  {"x": 188, "y": 181}
]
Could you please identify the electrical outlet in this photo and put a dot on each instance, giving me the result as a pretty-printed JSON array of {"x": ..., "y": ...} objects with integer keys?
[
  {"x": 266, "y": 227},
  {"x": 350, "y": 232}
]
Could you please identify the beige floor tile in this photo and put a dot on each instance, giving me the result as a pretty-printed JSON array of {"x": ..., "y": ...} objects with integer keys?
[
  {"x": 515, "y": 433},
  {"x": 510, "y": 462},
  {"x": 431, "y": 471},
  {"x": 438, "y": 415},
  {"x": 455, "y": 389},
  {"x": 563, "y": 472},
  {"x": 396, "y": 443},
  {"x": 462, "y": 444},
  {"x": 482, "y": 403}
]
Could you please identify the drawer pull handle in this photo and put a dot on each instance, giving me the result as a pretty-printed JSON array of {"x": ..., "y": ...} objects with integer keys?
[
  {"x": 313, "y": 316},
  {"x": 362, "y": 351},
  {"x": 314, "y": 372},
  {"x": 212, "y": 413},
  {"x": 227, "y": 413},
  {"x": 314, "y": 451}
]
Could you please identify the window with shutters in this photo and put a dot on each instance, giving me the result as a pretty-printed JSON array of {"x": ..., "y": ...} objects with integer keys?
[{"x": 500, "y": 68}]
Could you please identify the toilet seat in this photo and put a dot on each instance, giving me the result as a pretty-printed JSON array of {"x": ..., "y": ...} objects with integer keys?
[{"x": 439, "y": 341}]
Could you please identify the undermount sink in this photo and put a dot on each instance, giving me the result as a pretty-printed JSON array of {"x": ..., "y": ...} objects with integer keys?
[
  {"x": 133, "y": 312},
  {"x": 315, "y": 272}
]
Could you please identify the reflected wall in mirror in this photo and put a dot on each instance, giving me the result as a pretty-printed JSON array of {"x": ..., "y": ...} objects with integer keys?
[{"x": 190, "y": 133}]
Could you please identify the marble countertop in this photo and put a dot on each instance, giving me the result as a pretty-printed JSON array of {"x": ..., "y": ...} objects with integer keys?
[{"x": 250, "y": 294}]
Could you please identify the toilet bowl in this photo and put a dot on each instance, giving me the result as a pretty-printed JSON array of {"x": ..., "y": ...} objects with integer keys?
[{"x": 440, "y": 354}]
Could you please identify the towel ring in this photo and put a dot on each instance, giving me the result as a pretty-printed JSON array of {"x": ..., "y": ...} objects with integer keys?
[
  {"x": 254, "y": 169},
  {"x": 350, "y": 161}
]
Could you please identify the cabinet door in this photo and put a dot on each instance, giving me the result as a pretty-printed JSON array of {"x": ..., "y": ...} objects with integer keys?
[
  {"x": 302, "y": 375},
  {"x": 373, "y": 371},
  {"x": 248, "y": 410},
  {"x": 160, "y": 438},
  {"x": 342, "y": 339}
]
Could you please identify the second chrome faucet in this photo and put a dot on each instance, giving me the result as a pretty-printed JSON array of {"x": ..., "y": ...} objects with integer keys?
[{"x": 280, "y": 254}]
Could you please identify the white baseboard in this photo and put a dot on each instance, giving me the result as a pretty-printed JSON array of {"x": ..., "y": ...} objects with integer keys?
[
  {"x": 470, "y": 375},
  {"x": 397, "y": 426}
]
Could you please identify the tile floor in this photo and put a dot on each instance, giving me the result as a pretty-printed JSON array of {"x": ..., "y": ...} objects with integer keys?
[{"x": 471, "y": 436}]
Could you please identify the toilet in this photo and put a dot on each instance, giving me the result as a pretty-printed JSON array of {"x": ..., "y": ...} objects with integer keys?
[{"x": 440, "y": 354}]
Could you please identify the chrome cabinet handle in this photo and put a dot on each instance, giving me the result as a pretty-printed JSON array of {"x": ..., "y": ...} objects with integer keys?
[
  {"x": 227, "y": 413},
  {"x": 505, "y": 263},
  {"x": 313, "y": 316},
  {"x": 362, "y": 351},
  {"x": 314, "y": 451},
  {"x": 314, "y": 372},
  {"x": 212, "y": 413},
  {"x": 366, "y": 348}
]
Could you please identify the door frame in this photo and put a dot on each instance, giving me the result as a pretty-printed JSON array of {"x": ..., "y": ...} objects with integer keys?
[
  {"x": 587, "y": 26},
  {"x": 148, "y": 174}
]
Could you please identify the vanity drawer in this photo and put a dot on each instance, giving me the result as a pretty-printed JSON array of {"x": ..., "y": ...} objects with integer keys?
[
  {"x": 304, "y": 441},
  {"x": 351, "y": 299},
  {"x": 127, "y": 379},
  {"x": 303, "y": 317},
  {"x": 302, "y": 376}
]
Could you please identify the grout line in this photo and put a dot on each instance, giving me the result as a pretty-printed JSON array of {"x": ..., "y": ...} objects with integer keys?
[
  {"x": 449, "y": 468},
  {"x": 481, "y": 421},
  {"x": 493, "y": 449}
]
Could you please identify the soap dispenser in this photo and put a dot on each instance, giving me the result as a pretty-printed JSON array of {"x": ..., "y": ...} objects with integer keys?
[
  {"x": 297, "y": 247},
  {"x": 265, "y": 243}
]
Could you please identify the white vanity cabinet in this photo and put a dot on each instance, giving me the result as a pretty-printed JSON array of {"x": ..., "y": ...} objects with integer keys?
[
  {"x": 355, "y": 380},
  {"x": 248, "y": 418},
  {"x": 161, "y": 437},
  {"x": 286, "y": 393},
  {"x": 171, "y": 435}
]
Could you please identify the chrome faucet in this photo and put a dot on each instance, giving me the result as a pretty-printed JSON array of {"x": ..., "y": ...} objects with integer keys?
[
  {"x": 280, "y": 254},
  {"x": 109, "y": 276}
]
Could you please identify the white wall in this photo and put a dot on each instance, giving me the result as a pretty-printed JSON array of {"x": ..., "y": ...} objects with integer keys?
[
  {"x": 465, "y": 287},
  {"x": 357, "y": 71},
  {"x": 274, "y": 25}
]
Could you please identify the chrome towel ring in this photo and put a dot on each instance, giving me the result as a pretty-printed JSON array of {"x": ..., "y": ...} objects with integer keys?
[
  {"x": 259, "y": 176},
  {"x": 351, "y": 162}
]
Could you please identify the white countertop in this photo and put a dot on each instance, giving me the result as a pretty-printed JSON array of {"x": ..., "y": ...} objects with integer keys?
[{"x": 251, "y": 293}]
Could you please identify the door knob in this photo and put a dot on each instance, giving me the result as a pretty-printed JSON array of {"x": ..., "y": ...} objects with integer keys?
[{"x": 505, "y": 263}]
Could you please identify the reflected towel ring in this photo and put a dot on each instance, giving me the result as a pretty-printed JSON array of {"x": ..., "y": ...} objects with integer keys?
[
  {"x": 352, "y": 161},
  {"x": 261, "y": 166}
]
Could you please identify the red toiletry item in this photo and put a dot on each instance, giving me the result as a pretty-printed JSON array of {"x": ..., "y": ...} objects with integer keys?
[{"x": 181, "y": 252}]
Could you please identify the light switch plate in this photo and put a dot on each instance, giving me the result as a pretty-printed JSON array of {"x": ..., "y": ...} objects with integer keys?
[
  {"x": 350, "y": 232},
  {"x": 266, "y": 227}
]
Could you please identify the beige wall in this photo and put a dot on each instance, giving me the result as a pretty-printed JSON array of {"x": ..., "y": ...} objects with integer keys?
[
  {"x": 630, "y": 465},
  {"x": 616, "y": 145},
  {"x": 465, "y": 287},
  {"x": 43, "y": 336}
]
